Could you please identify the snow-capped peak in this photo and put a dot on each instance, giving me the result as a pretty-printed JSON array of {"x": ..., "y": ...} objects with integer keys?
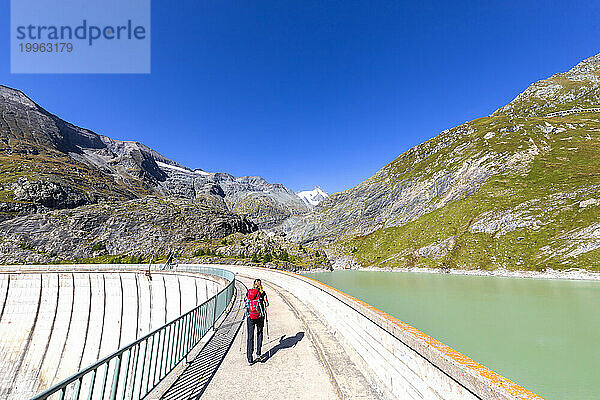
[{"x": 312, "y": 197}]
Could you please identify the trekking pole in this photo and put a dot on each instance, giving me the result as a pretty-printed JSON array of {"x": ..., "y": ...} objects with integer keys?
[
  {"x": 242, "y": 335},
  {"x": 267, "y": 321},
  {"x": 242, "y": 338}
]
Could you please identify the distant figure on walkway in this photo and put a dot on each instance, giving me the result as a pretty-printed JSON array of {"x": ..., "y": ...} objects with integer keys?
[{"x": 256, "y": 310}]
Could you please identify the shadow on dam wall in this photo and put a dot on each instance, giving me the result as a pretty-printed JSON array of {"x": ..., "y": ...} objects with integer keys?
[{"x": 53, "y": 324}]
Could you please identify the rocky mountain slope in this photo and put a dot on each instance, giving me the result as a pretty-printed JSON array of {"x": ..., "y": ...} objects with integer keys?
[
  {"x": 517, "y": 189},
  {"x": 141, "y": 227},
  {"x": 67, "y": 193},
  {"x": 47, "y": 163},
  {"x": 40, "y": 167},
  {"x": 266, "y": 204},
  {"x": 576, "y": 88}
]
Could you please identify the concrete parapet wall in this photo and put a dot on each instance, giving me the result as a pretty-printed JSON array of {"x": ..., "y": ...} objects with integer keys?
[
  {"x": 402, "y": 360},
  {"x": 55, "y": 320}
]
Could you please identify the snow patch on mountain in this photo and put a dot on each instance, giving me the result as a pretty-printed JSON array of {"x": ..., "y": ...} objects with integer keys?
[
  {"x": 313, "y": 197},
  {"x": 180, "y": 168}
]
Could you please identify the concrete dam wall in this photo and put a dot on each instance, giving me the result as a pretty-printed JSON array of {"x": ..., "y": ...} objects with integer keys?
[
  {"x": 56, "y": 322},
  {"x": 399, "y": 359}
]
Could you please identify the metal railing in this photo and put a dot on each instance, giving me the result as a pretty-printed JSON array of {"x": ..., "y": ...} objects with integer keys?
[{"x": 134, "y": 370}]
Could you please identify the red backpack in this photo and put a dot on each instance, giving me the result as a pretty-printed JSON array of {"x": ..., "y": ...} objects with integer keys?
[{"x": 253, "y": 300}]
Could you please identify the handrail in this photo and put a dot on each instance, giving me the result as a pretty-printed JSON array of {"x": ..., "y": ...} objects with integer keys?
[{"x": 141, "y": 374}]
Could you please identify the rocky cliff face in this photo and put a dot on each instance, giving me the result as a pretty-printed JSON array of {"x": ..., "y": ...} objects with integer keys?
[
  {"x": 37, "y": 173},
  {"x": 516, "y": 189},
  {"x": 266, "y": 204},
  {"x": 139, "y": 227}
]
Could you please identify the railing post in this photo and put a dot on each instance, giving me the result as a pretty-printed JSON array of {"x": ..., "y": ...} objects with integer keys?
[
  {"x": 76, "y": 396},
  {"x": 104, "y": 380},
  {"x": 115, "y": 383},
  {"x": 149, "y": 363},
  {"x": 126, "y": 377},
  {"x": 135, "y": 368},
  {"x": 215, "y": 312},
  {"x": 92, "y": 383},
  {"x": 162, "y": 353}
]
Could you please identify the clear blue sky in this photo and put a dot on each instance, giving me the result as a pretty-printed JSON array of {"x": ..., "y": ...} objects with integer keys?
[{"x": 317, "y": 92}]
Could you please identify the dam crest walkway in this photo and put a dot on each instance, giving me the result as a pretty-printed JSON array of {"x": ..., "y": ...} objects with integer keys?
[{"x": 302, "y": 359}]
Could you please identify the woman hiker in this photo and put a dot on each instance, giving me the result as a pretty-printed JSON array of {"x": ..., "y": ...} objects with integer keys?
[{"x": 256, "y": 308}]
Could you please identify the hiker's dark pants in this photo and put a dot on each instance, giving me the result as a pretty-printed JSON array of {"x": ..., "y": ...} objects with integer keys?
[{"x": 259, "y": 323}]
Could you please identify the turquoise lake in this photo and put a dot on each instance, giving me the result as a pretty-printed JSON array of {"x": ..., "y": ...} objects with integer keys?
[{"x": 542, "y": 334}]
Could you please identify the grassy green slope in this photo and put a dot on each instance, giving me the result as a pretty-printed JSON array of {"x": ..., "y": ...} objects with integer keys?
[{"x": 531, "y": 213}]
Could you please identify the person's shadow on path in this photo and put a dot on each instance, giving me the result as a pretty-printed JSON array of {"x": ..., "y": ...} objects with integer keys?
[{"x": 284, "y": 343}]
